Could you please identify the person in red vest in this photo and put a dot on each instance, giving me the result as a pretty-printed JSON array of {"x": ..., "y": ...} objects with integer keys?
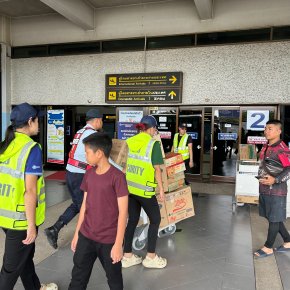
[{"x": 75, "y": 170}]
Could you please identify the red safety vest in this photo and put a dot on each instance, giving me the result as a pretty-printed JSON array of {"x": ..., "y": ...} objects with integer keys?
[{"x": 71, "y": 160}]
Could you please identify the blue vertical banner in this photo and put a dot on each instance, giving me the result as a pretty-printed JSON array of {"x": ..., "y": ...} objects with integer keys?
[{"x": 55, "y": 136}]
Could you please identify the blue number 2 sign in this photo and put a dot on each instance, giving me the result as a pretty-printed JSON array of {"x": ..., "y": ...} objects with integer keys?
[{"x": 256, "y": 120}]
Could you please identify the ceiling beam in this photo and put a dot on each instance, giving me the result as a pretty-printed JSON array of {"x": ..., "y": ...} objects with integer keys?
[
  {"x": 76, "y": 11},
  {"x": 204, "y": 9}
]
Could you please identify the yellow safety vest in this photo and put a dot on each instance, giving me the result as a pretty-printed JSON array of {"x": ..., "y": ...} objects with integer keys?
[
  {"x": 140, "y": 173},
  {"x": 181, "y": 148},
  {"x": 12, "y": 185}
]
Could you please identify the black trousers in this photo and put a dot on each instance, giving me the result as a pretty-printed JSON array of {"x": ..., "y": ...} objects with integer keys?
[
  {"x": 273, "y": 230},
  {"x": 87, "y": 251},
  {"x": 151, "y": 207},
  {"x": 73, "y": 181},
  {"x": 18, "y": 261}
]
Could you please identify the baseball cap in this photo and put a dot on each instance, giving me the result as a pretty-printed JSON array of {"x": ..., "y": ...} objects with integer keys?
[
  {"x": 93, "y": 113},
  {"x": 182, "y": 125},
  {"x": 23, "y": 112},
  {"x": 149, "y": 120}
]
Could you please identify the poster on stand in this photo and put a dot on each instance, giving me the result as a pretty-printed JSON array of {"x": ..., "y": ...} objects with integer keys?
[
  {"x": 126, "y": 130},
  {"x": 55, "y": 136},
  {"x": 130, "y": 116}
]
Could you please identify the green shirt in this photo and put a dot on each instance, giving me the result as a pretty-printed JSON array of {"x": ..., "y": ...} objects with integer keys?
[{"x": 157, "y": 158}]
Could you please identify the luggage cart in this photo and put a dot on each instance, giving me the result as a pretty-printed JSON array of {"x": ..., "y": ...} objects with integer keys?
[
  {"x": 141, "y": 232},
  {"x": 247, "y": 186}
]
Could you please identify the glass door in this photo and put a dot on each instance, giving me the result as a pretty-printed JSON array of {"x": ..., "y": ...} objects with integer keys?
[
  {"x": 224, "y": 143},
  {"x": 193, "y": 118}
]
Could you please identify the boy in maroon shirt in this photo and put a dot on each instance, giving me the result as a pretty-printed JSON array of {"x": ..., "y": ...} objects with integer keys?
[
  {"x": 273, "y": 188},
  {"x": 103, "y": 217}
]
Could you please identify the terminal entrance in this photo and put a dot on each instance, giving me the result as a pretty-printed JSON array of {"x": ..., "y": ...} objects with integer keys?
[{"x": 216, "y": 134}]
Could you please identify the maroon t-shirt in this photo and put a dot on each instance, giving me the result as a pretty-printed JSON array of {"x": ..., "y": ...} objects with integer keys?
[{"x": 101, "y": 215}]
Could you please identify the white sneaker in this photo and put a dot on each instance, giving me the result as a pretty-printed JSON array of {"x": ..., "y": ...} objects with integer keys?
[
  {"x": 157, "y": 262},
  {"x": 50, "y": 286},
  {"x": 132, "y": 261}
]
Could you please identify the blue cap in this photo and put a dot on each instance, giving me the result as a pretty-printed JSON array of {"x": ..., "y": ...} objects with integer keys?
[
  {"x": 149, "y": 120},
  {"x": 93, "y": 113},
  {"x": 23, "y": 112}
]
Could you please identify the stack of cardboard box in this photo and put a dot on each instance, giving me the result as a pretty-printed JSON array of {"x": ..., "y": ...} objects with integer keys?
[
  {"x": 172, "y": 172},
  {"x": 177, "y": 204}
]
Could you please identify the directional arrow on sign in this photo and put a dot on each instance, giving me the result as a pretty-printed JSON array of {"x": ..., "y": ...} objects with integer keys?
[
  {"x": 173, "y": 79},
  {"x": 172, "y": 94}
]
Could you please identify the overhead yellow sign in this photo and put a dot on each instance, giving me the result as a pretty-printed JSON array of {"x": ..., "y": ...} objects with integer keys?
[{"x": 144, "y": 87}]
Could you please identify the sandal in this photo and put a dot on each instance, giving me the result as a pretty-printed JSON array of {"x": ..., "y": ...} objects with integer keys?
[{"x": 261, "y": 254}]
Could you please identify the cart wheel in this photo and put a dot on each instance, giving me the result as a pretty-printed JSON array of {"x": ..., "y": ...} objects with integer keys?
[
  {"x": 170, "y": 230},
  {"x": 138, "y": 245}
]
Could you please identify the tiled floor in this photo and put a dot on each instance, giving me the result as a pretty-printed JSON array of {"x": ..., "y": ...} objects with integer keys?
[{"x": 212, "y": 250}]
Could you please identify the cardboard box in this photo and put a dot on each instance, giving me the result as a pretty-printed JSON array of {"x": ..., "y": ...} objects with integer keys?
[
  {"x": 158, "y": 138},
  {"x": 176, "y": 177},
  {"x": 119, "y": 152},
  {"x": 247, "y": 199},
  {"x": 175, "y": 185},
  {"x": 172, "y": 158},
  {"x": 164, "y": 179},
  {"x": 247, "y": 152},
  {"x": 172, "y": 183},
  {"x": 174, "y": 169},
  {"x": 179, "y": 205},
  {"x": 163, "y": 213}
]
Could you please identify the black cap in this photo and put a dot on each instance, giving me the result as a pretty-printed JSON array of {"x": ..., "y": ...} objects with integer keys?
[
  {"x": 93, "y": 113},
  {"x": 23, "y": 112},
  {"x": 182, "y": 125}
]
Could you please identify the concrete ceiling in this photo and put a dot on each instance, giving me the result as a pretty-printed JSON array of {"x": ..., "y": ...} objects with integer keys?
[
  {"x": 81, "y": 12},
  {"x": 20, "y": 8},
  {"x": 112, "y": 3}
]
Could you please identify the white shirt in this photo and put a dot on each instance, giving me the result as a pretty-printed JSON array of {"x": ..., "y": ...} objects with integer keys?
[{"x": 80, "y": 153}]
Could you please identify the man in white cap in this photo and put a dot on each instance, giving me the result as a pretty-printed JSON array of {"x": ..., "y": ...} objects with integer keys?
[{"x": 76, "y": 168}]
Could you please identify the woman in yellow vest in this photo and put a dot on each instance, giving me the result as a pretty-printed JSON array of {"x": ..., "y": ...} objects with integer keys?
[
  {"x": 142, "y": 172},
  {"x": 22, "y": 199}
]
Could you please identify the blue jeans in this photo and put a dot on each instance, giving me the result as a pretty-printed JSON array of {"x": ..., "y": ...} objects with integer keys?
[{"x": 73, "y": 181}]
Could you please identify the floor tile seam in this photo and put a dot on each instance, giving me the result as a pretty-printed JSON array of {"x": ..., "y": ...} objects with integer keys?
[
  {"x": 186, "y": 283},
  {"x": 49, "y": 269},
  {"x": 280, "y": 274},
  {"x": 240, "y": 275},
  {"x": 252, "y": 220},
  {"x": 235, "y": 264}
]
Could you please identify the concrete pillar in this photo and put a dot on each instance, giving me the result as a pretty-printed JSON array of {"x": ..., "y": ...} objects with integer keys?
[{"x": 5, "y": 96}]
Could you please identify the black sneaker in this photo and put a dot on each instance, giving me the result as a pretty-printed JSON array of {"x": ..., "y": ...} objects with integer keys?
[{"x": 52, "y": 235}]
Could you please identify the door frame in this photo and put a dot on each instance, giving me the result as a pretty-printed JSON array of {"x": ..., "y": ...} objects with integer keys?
[
  {"x": 218, "y": 178},
  {"x": 195, "y": 177}
]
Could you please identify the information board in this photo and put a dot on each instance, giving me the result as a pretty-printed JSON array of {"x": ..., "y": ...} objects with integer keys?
[{"x": 144, "y": 88}]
